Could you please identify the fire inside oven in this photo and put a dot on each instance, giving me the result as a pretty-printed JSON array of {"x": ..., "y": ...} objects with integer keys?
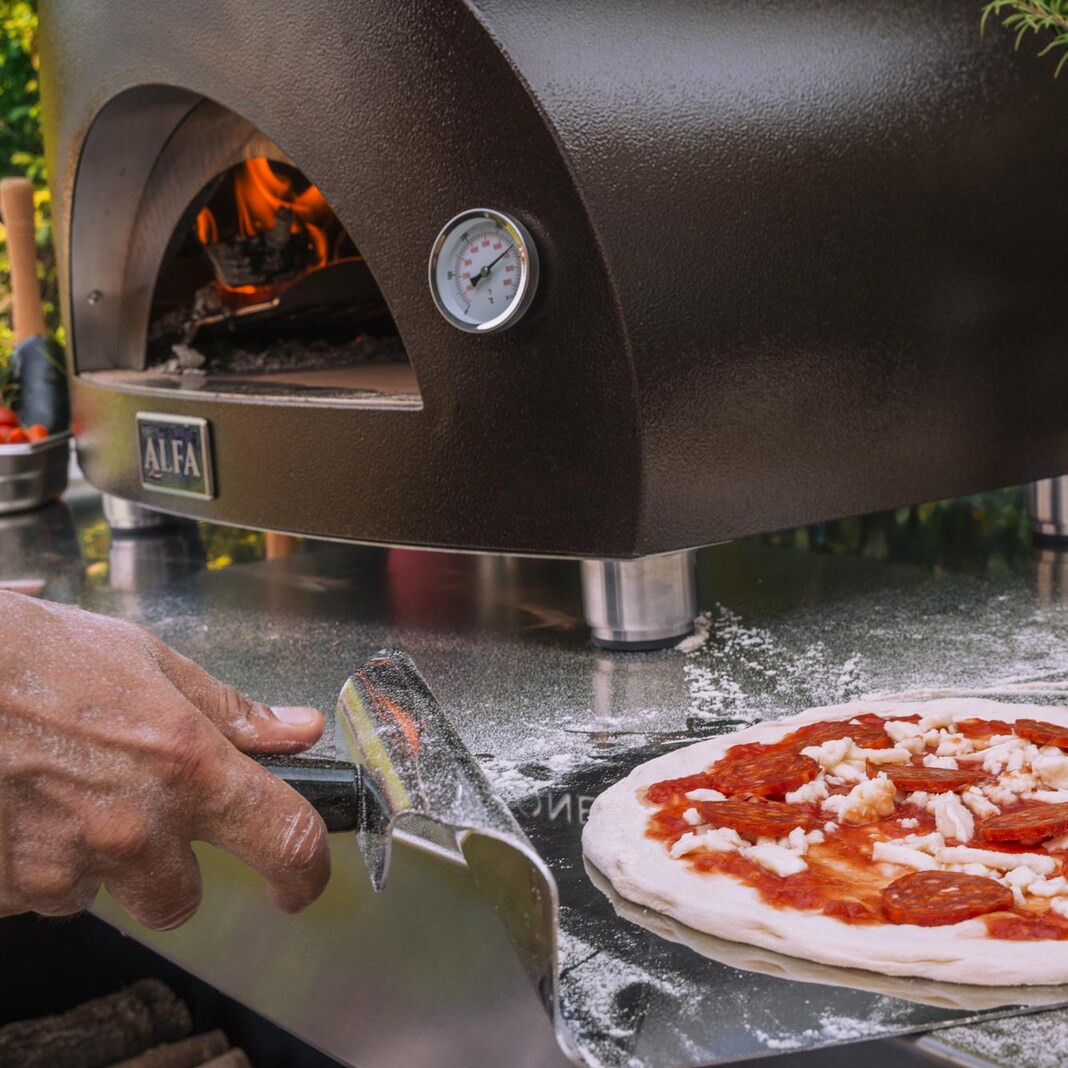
[{"x": 264, "y": 292}]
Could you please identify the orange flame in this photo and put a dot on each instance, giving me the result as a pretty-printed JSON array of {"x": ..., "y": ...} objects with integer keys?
[{"x": 259, "y": 193}]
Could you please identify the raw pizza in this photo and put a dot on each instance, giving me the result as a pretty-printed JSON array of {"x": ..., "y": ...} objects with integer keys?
[{"x": 925, "y": 839}]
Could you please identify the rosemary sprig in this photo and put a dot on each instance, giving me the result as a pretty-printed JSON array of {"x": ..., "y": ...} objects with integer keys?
[{"x": 1033, "y": 16}]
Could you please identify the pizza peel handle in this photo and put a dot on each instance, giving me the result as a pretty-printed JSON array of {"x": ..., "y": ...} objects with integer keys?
[
  {"x": 16, "y": 204},
  {"x": 406, "y": 769}
]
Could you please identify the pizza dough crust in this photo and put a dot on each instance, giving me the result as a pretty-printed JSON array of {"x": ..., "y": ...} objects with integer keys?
[
  {"x": 640, "y": 869},
  {"x": 937, "y": 993}
]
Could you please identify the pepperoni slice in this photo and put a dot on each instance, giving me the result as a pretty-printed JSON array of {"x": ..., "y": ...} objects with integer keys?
[
  {"x": 865, "y": 735},
  {"x": 762, "y": 771},
  {"x": 772, "y": 819},
  {"x": 935, "y": 898},
  {"x": 1042, "y": 733},
  {"x": 931, "y": 780},
  {"x": 675, "y": 790},
  {"x": 1029, "y": 825}
]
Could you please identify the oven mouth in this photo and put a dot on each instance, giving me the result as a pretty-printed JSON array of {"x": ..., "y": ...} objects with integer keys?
[{"x": 223, "y": 270}]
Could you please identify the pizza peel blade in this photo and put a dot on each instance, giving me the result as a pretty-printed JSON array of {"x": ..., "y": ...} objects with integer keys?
[{"x": 405, "y": 771}]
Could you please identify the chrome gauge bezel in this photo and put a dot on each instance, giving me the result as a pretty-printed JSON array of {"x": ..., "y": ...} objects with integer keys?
[{"x": 528, "y": 255}]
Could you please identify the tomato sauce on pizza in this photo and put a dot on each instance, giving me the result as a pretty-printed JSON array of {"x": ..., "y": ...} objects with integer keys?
[{"x": 880, "y": 821}]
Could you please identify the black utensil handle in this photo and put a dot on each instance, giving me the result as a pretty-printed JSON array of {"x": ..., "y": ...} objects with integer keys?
[{"x": 333, "y": 790}]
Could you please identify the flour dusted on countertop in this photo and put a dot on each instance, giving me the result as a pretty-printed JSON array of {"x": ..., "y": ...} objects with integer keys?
[{"x": 734, "y": 662}]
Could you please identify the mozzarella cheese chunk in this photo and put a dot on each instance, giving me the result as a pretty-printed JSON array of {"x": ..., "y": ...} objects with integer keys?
[
  {"x": 774, "y": 858},
  {"x": 1059, "y": 905},
  {"x": 1051, "y": 768},
  {"x": 996, "y": 757},
  {"x": 813, "y": 791},
  {"x": 797, "y": 841},
  {"x": 845, "y": 762},
  {"x": 1060, "y": 842},
  {"x": 834, "y": 805},
  {"x": 943, "y": 717},
  {"x": 692, "y": 817},
  {"x": 1049, "y": 887},
  {"x": 929, "y": 843},
  {"x": 1018, "y": 880},
  {"x": 867, "y": 801},
  {"x": 1010, "y": 787},
  {"x": 1021, "y": 876},
  {"x": 932, "y": 761},
  {"x": 979, "y": 805},
  {"x": 990, "y": 858},
  {"x": 900, "y": 731},
  {"x": 829, "y": 753},
  {"x": 846, "y": 774},
  {"x": 910, "y": 823},
  {"x": 714, "y": 840},
  {"x": 880, "y": 756},
  {"x": 952, "y": 819},
  {"x": 894, "y": 853},
  {"x": 951, "y": 744},
  {"x": 705, "y": 795}
]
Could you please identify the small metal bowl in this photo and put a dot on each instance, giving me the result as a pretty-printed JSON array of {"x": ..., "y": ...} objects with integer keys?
[{"x": 34, "y": 473}]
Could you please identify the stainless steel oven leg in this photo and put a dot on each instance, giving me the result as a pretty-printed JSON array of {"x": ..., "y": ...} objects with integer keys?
[
  {"x": 125, "y": 516},
  {"x": 636, "y": 605},
  {"x": 1047, "y": 501}
]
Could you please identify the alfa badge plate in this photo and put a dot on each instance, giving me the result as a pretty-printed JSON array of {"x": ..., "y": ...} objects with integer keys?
[{"x": 174, "y": 454}]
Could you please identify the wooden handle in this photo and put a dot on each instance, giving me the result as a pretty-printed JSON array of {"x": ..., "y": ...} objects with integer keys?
[{"x": 16, "y": 203}]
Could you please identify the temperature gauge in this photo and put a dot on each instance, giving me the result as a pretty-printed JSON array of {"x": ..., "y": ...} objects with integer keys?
[{"x": 483, "y": 270}]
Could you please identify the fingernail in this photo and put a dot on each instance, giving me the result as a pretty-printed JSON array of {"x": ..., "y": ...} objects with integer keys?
[{"x": 295, "y": 715}]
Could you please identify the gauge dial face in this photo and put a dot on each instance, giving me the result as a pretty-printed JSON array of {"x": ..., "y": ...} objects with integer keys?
[{"x": 483, "y": 270}]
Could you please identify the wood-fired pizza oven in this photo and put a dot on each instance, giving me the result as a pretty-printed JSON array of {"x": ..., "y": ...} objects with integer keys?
[{"x": 787, "y": 271}]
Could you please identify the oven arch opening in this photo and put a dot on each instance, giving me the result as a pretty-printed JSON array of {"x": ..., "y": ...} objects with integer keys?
[{"x": 237, "y": 278}]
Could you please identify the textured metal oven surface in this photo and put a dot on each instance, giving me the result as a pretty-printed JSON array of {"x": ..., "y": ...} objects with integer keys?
[
  {"x": 421, "y": 975},
  {"x": 788, "y": 269}
]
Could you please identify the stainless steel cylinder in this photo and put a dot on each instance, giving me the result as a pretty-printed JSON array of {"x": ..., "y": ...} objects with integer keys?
[
  {"x": 125, "y": 516},
  {"x": 1047, "y": 501},
  {"x": 648, "y": 603}
]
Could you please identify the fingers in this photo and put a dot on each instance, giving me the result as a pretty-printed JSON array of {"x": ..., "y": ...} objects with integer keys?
[
  {"x": 160, "y": 887},
  {"x": 252, "y": 726},
  {"x": 272, "y": 829}
]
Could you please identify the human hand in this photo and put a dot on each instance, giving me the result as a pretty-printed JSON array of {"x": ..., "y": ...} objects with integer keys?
[{"x": 116, "y": 753}]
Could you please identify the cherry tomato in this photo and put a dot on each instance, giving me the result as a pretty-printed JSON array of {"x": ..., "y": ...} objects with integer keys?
[
  {"x": 8, "y": 417},
  {"x": 36, "y": 432},
  {"x": 5, "y": 433},
  {"x": 17, "y": 436}
]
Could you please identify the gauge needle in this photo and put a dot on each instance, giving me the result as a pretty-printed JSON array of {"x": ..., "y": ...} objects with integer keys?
[{"x": 484, "y": 273}]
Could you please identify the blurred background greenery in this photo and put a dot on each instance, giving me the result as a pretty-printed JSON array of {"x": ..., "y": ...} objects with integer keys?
[
  {"x": 22, "y": 153},
  {"x": 984, "y": 530}
]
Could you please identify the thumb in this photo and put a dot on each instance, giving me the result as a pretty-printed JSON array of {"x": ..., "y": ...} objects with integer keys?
[{"x": 252, "y": 726}]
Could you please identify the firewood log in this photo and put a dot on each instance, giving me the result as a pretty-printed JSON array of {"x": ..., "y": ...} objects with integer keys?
[
  {"x": 235, "y": 1058},
  {"x": 100, "y": 1032},
  {"x": 189, "y": 1053}
]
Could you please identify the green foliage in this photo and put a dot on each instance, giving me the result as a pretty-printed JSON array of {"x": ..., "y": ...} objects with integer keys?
[
  {"x": 22, "y": 153},
  {"x": 984, "y": 530},
  {"x": 1042, "y": 17}
]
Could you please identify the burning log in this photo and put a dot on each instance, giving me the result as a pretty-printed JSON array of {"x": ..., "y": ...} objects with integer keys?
[
  {"x": 189, "y": 1053},
  {"x": 264, "y": 258},
  {"x": 100, "y": 1032}
]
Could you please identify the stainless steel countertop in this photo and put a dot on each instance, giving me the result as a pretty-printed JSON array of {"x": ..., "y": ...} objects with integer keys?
[{"x": 422, "y": 975}]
